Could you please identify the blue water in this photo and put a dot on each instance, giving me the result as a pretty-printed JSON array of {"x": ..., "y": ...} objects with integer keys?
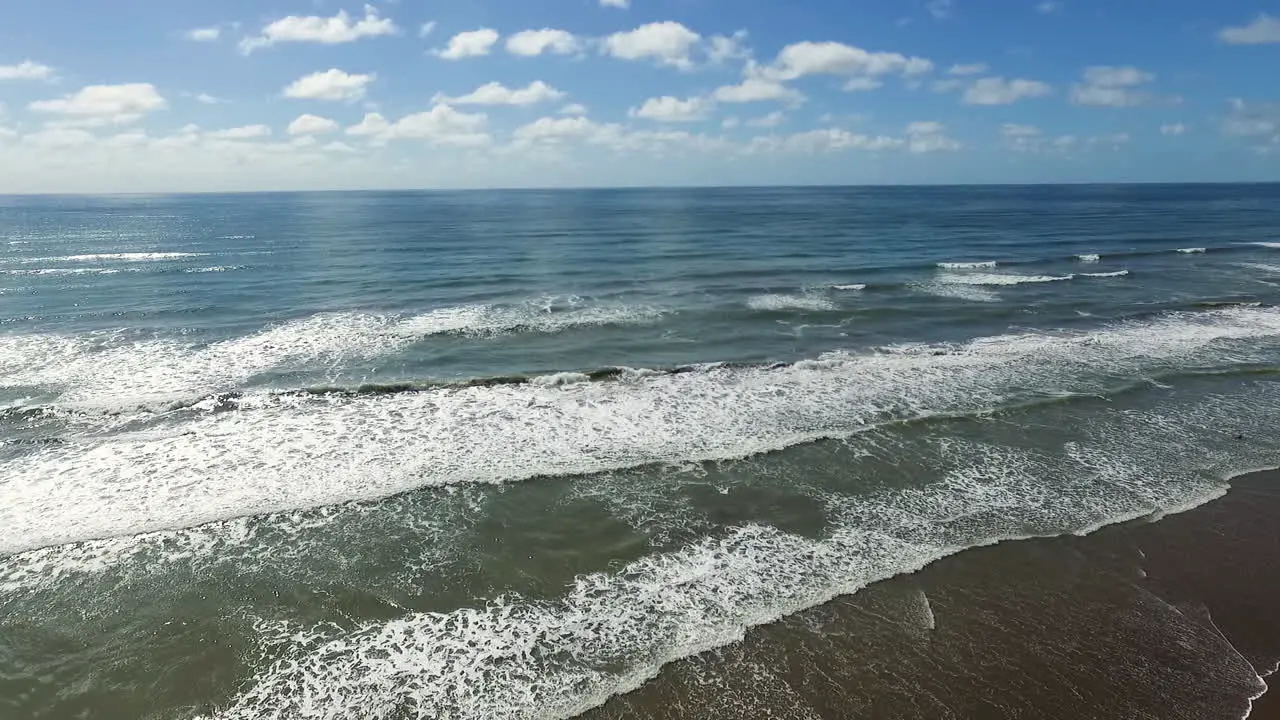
[{"x": 347, "y": 433}]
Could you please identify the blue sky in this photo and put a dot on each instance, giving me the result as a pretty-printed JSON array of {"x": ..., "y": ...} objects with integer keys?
[{"x": 165, "y": 95}]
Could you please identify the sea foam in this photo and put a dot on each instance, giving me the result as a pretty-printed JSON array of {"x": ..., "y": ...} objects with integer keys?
[{"x": 309, "y": 451}]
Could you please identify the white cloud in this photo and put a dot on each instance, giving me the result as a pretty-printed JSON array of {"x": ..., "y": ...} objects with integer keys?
[
  {"x": 204, "y": 34},
  {"x": 1048, "y": 6},
  {"x": 338, "y": 146},
  {"x": 929, "y": 136},
  {"x": 1172, "y": 129},
  {"x": 496, "y": 93},
  {"x": 97, "y": 104},
  {"x": 1110, "y": 86},
  {"x": 620, "y": 4},
  {"x": 248, "y": 132},
  {"x": 773, "y": 119},
  {"x": 548, "y": 129},
  {"x": 473, "y": 43},
  {"x": 859, "y": 84},
  {"x": 59, "y": 138},
  {"x": 312, "y": 125},
  {"x": 939, "y": 9},
  {"x": 332, "y": 84},
  {"x": 667, "y": 43},
  {"x": 948, "y": 85},
  {"x": 1265, "y": 29},
  {"x": 372, "y": 124},
  {"x": 973, "y": 69},
  {"x": 723, "y": 48},
  {"x": 341, "y": 28},
  {"x": 730, "y": 123},
  {"x": 833, "y": 58},
  {"x": 529, "y": 43},
  {"x": 757, "y": 89},
  {"x": 441, "y": 125},
  {"x": 672, "y": 109},
  {"x": 1014, "y": 130},
  {"x": 426, "y": 28},
  {"x": 998, "y": 91},
  {"x": 26, "y": 70},
  {"x": 823, "y": 140},
  {"x": 574, "y": 109},
  {"x": 207, "y": 99}
]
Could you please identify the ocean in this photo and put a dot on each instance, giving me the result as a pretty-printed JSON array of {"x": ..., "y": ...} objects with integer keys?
[{"x": 532, "y": 454}]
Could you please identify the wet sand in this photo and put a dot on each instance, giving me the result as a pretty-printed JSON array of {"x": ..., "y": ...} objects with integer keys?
[{"x": 1166, "y": 619}]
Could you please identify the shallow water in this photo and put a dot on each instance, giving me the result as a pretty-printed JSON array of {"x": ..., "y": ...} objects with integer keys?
[{"x": 386, "y": 455}]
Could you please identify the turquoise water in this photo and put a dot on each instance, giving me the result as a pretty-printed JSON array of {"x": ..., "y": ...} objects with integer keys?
[{"x": 506, "y": 454}]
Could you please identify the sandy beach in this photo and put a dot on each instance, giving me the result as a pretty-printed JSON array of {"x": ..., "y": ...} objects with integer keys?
[{"x": 1167, "y": 618}]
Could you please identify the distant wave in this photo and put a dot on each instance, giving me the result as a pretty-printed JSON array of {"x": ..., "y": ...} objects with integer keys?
[
  {"x": 855, "y": 286},
  {"x": 790, "y": 302},
  {"x": 191, "y": 469},
  {"x": 1272, "y": 245},
  {"x": 1089, "y": 258},
  {"x": 108, "y": 369},
  {"x": 999, "y": 279},
  {"x": 236, "y": 237},
  {"x": 121, "y": 257},
  {"x": 215, "y": 268},
  {"x": 1192, "y": 251},
  {"x": 1117, "y": 273},
  {"x": 61, "y": 271},
  {"x": 967, "y": 265}
]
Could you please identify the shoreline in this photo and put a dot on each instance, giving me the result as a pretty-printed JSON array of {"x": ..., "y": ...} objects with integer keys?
[{"x": 1162, "y": 616}]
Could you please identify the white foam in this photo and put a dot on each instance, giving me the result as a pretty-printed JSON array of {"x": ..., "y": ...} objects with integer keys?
[
  {"x": 122, "y": 257},
  {"x": 856, "y": 286},
  {"x": 236, "y": 237},
  {"x": 1191, "y": 251},
  {"x": 791, "y": 302},
  {"x": 1264, "y": 267},
  {"x": 215, "y": 269},
  {"x": 110, "y": 370},
  {"x": 1117, "y": 273},
  {"x": 1272, "y": 245},
  {"x": 560, "y": 379},
  {"x": 284, "y": 453},
  {"x": 1089, "y": 258},
  {"x": 971, "y": 293},
  {"x": 998, "y": 279},
  {"x": 512, "y": 658},
  {"x": 59, "y": 271},
  {"x": 967, "y": 265}
]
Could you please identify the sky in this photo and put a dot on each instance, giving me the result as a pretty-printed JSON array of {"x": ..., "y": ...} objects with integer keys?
[{"x": 178, "y": 95}]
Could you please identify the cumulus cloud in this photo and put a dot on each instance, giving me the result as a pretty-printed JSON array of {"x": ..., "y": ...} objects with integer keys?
[
  {"x": 999, "y": 91},
  {"x": 620, "y": 4},
  {"x": 373, "y": 124},
  {"x": 757, "y": 89},
  {"x": 207, "y": 99},
  {"x": 101, "y": 104},
  {"x": 1108, "y": 86},
  {"x": 667, "y": 43},
  {"x": 833, "y": 58},
  {"x": 473, "y": 43},
  {"x": 1252, "y": 120},
  {"x": 574, "y": 109},
  {"x": 672, "y": 109},
  {"x": 529, "y": 43},
  {"x": 332, "y": 84},
  {"x": 723, "y": 48},
  {"x": 248, "y": 132},
  {"x": 311, "y": 125},
  {"x": 441, "y": 125},
  {"x": 204, "y": 34},
  {"x": 26, "y": 70},
  {"x": 1264, "y": 30},
  {"x": 929, "y": 136},
  {"x": 823, "y": 140},
  {"x": 495, "y": 93},
  {"x": 341, "y": 28}
]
